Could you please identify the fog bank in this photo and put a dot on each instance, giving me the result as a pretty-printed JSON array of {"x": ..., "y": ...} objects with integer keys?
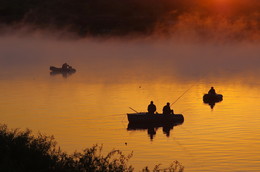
[{"x": 123, "y": 59}]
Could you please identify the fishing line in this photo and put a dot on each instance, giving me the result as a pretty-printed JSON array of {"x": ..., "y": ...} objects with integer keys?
[
  {"x": 123, "y": 118},
  {"x": 185, "y": 129},
  {"x": 183, "y": 147}
]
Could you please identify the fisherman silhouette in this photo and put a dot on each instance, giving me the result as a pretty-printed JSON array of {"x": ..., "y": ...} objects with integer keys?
[
  {"x": 167, "y": 109},
  {"x": 151, "y": 108},
  {"x": 212, "y": 91},
  {"x": 151, "y": 132},
  {"x": 65, "y": 66}
]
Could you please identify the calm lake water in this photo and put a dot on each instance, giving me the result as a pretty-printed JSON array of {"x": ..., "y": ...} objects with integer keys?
[{"x": 90, "y": 106}]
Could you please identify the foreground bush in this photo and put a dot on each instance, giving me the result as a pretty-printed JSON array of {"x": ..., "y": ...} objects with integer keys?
[{"x": 21, "y": 151}]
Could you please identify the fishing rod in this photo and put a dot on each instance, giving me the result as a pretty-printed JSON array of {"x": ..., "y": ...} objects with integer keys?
[
  {"x": 182, "y": 95},
  {"x": 133, "y": 110},
  {"x": 189, "y": 89}
]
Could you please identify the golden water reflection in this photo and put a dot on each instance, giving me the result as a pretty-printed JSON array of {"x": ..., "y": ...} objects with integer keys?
[{"x": 80, "y": 114}]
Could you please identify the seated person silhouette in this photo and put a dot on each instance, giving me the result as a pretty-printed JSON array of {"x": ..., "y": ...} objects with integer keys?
[
  {"x": 167, "y": 109},
  {"x": 65, "y": 66},
  {"x": 212, "y": 91},
  {"x": 151, "y": 108}
]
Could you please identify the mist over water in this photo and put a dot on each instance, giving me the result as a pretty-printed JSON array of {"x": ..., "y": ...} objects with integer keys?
[
  {"x": 116, "y": 59},
  {"x": 128, "y": 59},
  {"x": 180, "y": 38}
]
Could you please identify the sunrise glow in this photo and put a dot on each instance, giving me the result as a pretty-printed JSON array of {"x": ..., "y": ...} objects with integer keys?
[{"x": 171, "y": 84}]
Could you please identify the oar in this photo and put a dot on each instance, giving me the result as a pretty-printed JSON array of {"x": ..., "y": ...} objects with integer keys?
[{"x": 133, "y": 110}]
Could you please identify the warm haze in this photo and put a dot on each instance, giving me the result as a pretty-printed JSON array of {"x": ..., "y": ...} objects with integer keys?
[{"x": 127, "y": 53}]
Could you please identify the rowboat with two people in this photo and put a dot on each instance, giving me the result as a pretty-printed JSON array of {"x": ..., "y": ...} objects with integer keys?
[
  {"x": 157, "y": 118},
  {"x": 150, "y": 117}
]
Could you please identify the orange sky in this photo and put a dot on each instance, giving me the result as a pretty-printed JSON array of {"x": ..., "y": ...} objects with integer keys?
[{"x": 229, "y": 6}]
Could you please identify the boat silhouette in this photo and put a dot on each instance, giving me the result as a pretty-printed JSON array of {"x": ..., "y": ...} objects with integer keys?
[
  {"x": 64, "y": 72},
  {"x": 152, "y": 122},
  {"x": 212, "y": 99}
]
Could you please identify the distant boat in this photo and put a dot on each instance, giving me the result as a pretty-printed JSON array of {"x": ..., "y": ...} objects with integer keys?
[
  {"x": 145, "y": 118},
  {"x": 208, "y": 98},
  {"x": 61, "y": 70}
]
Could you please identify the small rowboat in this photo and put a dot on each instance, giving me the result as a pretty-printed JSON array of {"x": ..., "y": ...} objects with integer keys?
[
  {"x": 145, "y": 118},
  {"x": 208, "y": 98},
  {"x": 60, "y": 70}
]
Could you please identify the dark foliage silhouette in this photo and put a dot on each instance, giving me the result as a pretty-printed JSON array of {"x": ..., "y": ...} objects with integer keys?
[
  {"x": 22, "y": 151},
  {"x": 108, "y": 17}
]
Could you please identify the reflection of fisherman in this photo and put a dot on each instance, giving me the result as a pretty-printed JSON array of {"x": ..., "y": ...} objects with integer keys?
[
  {"x": 212, "y": 91},
  {"x": 167, "y": 109},
  {"x": 167, "y": 129},
  {"x": 151, "y": 108},
  {"x": 151, "y": 132},
  {"x": 211, "y": 104}
]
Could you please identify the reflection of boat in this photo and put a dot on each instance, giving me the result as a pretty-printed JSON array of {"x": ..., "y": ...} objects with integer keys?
[
  {"x": 64, "y": 72},
  {"x": 140, "y": 126},
  {"x": 153, "y": 127},
  {"x": 208, "y": 98},
  {"x": 61, "y": 70},
  {"x": 145, "y": 118},
  {"x": 212, "y": 99}
]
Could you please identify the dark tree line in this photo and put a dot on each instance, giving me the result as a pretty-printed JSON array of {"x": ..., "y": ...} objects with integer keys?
[
  {"x": 109, "y": 17},
  {"x": 94, "y": 17}
]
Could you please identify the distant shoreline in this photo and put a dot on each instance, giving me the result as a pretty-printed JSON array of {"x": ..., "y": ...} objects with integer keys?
[{"x": 130, "y": 18}]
